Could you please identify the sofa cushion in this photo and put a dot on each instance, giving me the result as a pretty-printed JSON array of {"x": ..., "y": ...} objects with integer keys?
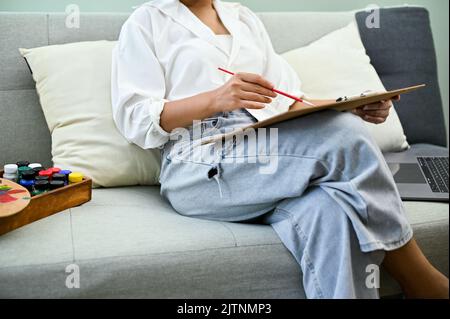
[
  {"x": 76, "y": 100},
  {"x": 129, "y": 243},
  {"x": 19, "y": 102},
  {"x": 337, "y": 65},
  {"x": 402, "y": 52}
]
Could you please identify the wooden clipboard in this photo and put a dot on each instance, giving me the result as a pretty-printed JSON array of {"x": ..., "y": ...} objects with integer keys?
[{"x": 347, "y": 105}]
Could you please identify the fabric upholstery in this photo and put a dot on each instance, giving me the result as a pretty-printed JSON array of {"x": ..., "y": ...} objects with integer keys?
[
  {"x": 403, "y": 57},
  {"x": 24, "y": 132},
  {"x": 342, "y": 57},
  {"x": 22, "y": 123},
  {"x": 76, "y": 100}
]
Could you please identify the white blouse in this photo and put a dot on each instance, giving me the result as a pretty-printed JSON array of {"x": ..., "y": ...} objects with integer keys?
[
  {"x": 226, "y": 42},
  {"x": 166, "y": 53}
]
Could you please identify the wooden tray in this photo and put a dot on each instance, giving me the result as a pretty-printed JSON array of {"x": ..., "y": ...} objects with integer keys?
[{"x": 47, "y": 204}]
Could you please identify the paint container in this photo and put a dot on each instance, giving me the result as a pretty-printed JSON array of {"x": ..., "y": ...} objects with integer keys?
[
  {"x": 67, "y": 173},
  {"x": 22, "y": 163},
  {"x": 10, "y": 168},
  {"x": 54, "y": 169},
  {"x": 47, "y": 173},
  {"x": 34, "y": 165},
  {"x": 41, "y": 178},
  {"x": 11, "y": 177},
  {"x": 10, "y": 172},
  {"x": 22, "y": 169},
  {"x": 38, "y": 169},
  {"x": 28, "y": 184},
  {"x": 28, "y": 175},
  {"x": 56, "y": 184},
  {"x": 75, "y": 177},
  {"x": 40, "y": 187},
  {"x": 58, "y": 177}
]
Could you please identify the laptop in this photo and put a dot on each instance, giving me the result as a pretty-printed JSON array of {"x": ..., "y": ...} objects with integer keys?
[{"x": 421, "y": 174}]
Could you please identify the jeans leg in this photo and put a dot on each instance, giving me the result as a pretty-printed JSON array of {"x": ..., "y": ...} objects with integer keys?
[
  {"x": 354, "y": 174},
  {"x": 318, "y": 232},
  {"x": 330, "y": 149}
]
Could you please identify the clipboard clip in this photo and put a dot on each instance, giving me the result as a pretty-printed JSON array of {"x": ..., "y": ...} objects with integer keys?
[{"x": 349, "y": 98}]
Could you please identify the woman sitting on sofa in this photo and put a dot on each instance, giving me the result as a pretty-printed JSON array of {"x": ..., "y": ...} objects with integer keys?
[{"x": 331, "y": 200}]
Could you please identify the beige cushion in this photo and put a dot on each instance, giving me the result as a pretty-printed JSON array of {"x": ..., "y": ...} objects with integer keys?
[
  {"x": 73, "y": 82},
  {"x": 337, "y": 65}
]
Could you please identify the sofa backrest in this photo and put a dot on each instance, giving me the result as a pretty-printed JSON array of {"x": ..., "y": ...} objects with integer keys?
[
  {"x": 402, "y": 51},
  {"x": 24, "y": 133}
]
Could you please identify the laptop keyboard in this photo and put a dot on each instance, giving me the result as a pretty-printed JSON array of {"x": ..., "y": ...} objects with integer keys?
[{"x": 435, "y": 170}]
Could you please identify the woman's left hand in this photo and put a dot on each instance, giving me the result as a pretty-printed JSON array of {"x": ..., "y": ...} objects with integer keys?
[{"x": 376, "y": 113}]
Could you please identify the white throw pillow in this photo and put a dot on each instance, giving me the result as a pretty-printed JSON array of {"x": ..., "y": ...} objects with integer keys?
[
  {"x": 337, "y": 65},
  {"x": 73, "y": 83}
]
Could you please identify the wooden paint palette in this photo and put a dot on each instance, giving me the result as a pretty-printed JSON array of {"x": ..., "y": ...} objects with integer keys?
[
  {"x": 42, "y": 205},
  {"x": 13, "y": 198}
]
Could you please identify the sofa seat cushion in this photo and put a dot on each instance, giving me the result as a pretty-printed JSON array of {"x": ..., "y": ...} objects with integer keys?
[{"x": 128, "y": 242}]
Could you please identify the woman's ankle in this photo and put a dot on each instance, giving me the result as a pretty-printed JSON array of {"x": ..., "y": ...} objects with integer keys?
[{"x": 434, "y": 286}]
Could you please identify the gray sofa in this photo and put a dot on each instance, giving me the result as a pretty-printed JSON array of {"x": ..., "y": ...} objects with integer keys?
[{"x": 128, "y": 242}]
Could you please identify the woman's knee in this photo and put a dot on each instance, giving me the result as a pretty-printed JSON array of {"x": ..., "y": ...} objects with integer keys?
[
  {"x": 350, "y": 143},
  {"x": 350, "y": 127}
]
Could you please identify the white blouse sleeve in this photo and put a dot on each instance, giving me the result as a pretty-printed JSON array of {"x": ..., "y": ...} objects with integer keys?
[
  {"x": 138, "y": 88},
  {"x": 279, "y": 72}
]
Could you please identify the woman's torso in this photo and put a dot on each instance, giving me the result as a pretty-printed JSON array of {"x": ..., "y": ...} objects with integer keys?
[
  {"x": 165, "y": 53},
  {"x": 190, "y": 53}
]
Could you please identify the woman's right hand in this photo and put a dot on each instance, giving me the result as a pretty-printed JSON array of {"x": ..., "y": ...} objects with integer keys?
[{"x": 243, "y": 90}]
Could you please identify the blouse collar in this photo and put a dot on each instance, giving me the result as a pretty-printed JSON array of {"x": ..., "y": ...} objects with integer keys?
[{"x": 229, "y": 15}]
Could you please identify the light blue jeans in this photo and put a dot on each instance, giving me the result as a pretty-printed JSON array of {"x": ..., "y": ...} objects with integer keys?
[{"x": 331, "y": 198}]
